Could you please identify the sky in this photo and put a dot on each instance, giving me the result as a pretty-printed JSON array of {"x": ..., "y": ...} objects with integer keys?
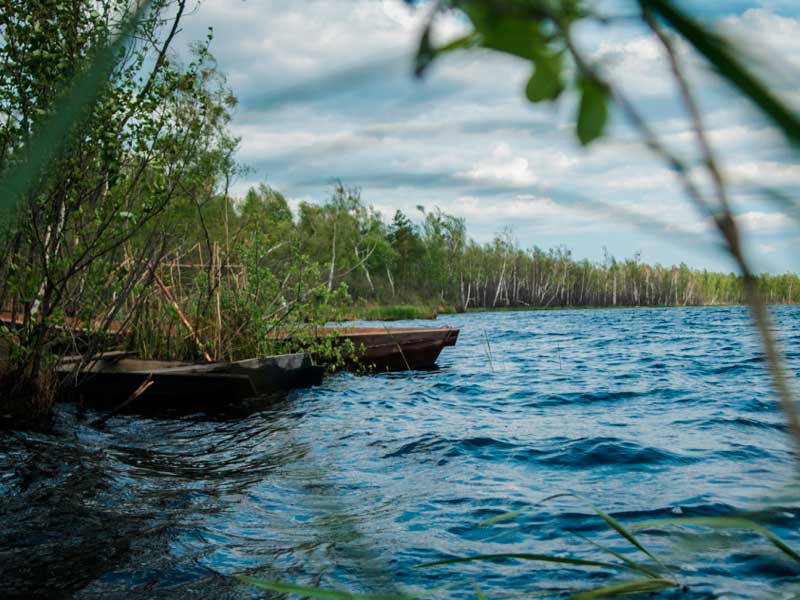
[{"x": 326, "y": 93}]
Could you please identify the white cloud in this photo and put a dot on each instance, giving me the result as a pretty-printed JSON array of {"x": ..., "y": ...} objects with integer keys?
[
  {"x": 465, "y": 138},
  {"x": 648, "y": 179},
  {"x": 764, "y": 172},
  {"x": 521, "y": 207},
  {"x": 767, "y": 35},
  {"x": 503, "y": 168},
  {"x": 760, "y": 222},
  {"x": 638, "y": 63}
]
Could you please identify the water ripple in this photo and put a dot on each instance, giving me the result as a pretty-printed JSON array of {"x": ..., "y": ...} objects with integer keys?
[{"x": 645, "y": 413}]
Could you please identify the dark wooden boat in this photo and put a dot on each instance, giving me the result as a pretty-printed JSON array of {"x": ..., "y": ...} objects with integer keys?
[
  {"x": 114, "y": 377},
  {"x": 395, "y": 349}
]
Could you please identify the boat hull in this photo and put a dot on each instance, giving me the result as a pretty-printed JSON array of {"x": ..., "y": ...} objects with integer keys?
[
  {"x": 107, "y": 382},
  {"x": 386, "y": 349}
]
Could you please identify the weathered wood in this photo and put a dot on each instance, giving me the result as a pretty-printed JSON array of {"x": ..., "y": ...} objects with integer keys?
[
  {"x": 76, "y": 358},
  {"x": 109, "y": 379},
  {"x": 393, "y": 349}
]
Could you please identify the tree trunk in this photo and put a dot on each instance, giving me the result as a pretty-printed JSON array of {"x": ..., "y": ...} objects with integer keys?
[{"x": 333, "y": 259}]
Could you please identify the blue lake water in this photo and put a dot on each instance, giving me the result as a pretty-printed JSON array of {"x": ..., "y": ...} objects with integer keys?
[{"x": 644, "y": 413}]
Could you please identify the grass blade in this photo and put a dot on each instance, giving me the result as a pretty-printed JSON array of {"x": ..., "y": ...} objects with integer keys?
[
  {"x": 479, "y": 593},
  {"x": 609, "y": 520},
  {"x": 720, "y": 55},
  {"x": 579, "y": 562},
  {"x": 631, "y": 563},
  {"x": 724, "y": 523},
  {"x": 617, "y": 526},
  {"x": 515, "y": 513},
  {"x": 640, "y": 586},
  {"x": 314, "y": 592}
]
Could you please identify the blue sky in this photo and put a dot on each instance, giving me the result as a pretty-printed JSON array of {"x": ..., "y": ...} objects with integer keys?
[{"x": 326, "y": 92}]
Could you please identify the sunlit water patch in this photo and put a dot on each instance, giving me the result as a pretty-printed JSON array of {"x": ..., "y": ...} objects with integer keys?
[{"x": 646, "y": 413}]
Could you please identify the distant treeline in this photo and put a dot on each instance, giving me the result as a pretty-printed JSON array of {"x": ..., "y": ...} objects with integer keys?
[{"x": 435, "y": 262}]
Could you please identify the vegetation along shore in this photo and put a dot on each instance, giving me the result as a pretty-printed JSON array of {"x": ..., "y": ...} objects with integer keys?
[
  {"x": 140, "y": 251},
  {"x": 118, "y": 218}
]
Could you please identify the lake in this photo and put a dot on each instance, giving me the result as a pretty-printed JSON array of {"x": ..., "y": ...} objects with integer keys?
[{"x": 645, "y": 413}]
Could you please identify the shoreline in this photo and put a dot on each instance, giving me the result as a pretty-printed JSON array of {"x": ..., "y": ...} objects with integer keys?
[
  {"x": 639, "y": 306},
  {"x": 429, "y": 313}
]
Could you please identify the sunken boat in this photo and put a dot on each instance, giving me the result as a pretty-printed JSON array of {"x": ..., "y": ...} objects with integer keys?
[
  {"x": 382, "y": 349},
  {"x": 113, "y": 377}
]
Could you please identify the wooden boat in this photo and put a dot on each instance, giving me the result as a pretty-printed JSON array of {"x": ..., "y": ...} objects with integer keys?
[
  {"x": 114, "y": 377},
  {"x": 394, "y": 349}
]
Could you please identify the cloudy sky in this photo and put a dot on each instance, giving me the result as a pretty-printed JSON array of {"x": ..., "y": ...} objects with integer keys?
[{"x": 326, "y": 93}]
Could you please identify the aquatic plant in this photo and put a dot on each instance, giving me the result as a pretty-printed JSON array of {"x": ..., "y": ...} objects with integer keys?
[{"x": 398, "y": 312}]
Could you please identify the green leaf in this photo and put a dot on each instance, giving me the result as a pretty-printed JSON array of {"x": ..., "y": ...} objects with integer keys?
[
  {"x": 724, "y": 523},
  {"x": 729, "y": 66},
  {"x": 609, "y": 520},
  {"x": 592, "y": 112},
  {"x": 504, "y": 517},
  {"x": 515, "y": 513},
  {"x": 52, "y": 136},
  {"x": 631, "y": 563},
  {"x": 426, "y": 53},
  {"x": 578, "y": 562},
  {"x": 478, "y": 593},
  {"x": 640, "y": 586},
  {"x": 509, "y": 34},
  {"x": 545, "y": 83},
  {"x": 617, "y": 526},
  {"x": 313, "y": 592}
]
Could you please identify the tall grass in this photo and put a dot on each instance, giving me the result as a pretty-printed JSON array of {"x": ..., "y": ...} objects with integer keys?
[
  {"x": 398, "y": 312},
  {"x": 233, "y": 306}
]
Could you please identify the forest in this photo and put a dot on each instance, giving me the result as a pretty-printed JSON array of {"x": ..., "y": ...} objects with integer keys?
[
  {"x": 117, "y": 162},
  {"x": 433, "y": 262}
]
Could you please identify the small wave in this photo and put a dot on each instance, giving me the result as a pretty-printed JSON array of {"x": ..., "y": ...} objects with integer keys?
[
  {"x": 741, "y": 452},
  {"x": 737, "y": 367},
  {"x": 582, "y": 398},
  {"x": 592, "y": 452},
  {"x": 704, "y": 424},
  {"x": 426, "y": 444},
  {"x": 562, "y": 452},
  {"x": 758, "y": 405}
]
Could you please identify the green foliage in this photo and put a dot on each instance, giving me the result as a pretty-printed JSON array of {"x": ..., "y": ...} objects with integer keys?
[
  {"x": 592, "y": 111},
  {"x": 538, "y": 32},
  {"x": 727, "y": 61},
  {"x": 398, "y": 312},
  {"x": 47, "y": 91},
  {"x": 410, "y": 270},
  {"x": 102, "y": 130},
  {"x": 314, "y": 592}
]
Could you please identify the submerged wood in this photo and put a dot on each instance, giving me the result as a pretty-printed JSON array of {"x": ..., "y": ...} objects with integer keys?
[
  {"x": 109, "y": 379},
  {"x": 394, "y": 349}
]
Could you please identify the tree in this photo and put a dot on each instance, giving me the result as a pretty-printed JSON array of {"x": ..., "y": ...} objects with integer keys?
[{"x": 153, "y": 134}]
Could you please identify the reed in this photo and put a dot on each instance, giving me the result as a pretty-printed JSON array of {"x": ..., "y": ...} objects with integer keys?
[
  {"x": 399, "y": 312},
  {"x": 235, "y": 306}
]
